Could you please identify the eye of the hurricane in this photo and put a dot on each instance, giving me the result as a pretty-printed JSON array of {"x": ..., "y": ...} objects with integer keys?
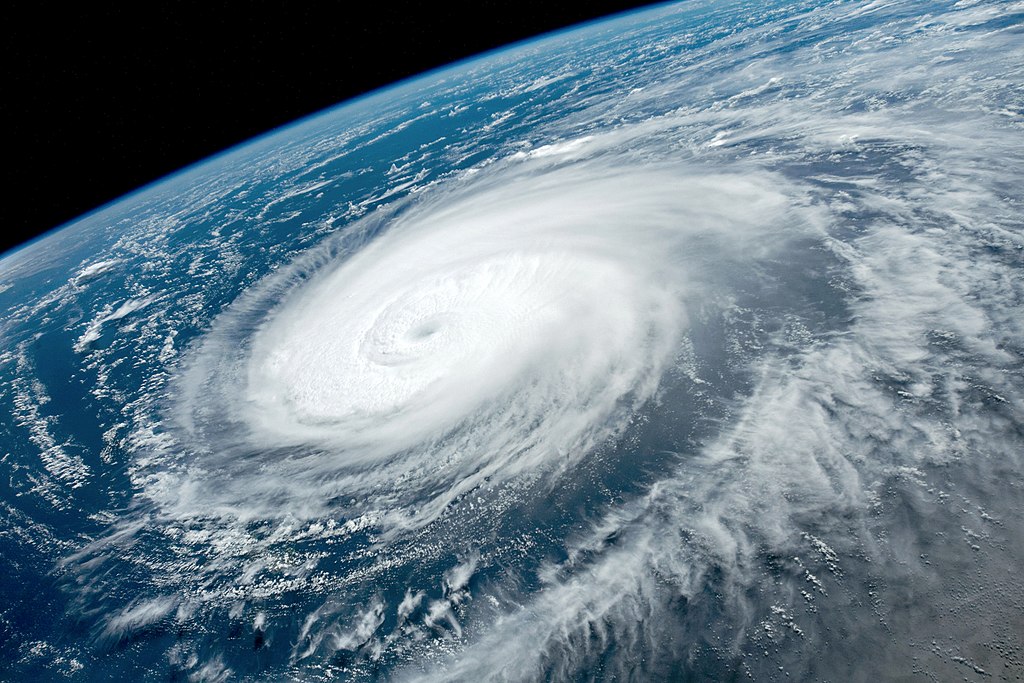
[{"x": 425, "y": 329}]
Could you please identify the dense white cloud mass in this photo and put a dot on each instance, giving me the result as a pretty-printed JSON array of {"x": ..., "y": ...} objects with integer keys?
[
  {"x": 685, "y": 347},
  {"x": 500, "y": 329}
]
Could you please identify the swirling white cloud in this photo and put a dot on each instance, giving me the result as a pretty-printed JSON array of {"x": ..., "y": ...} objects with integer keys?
[{"x": 501, "y": 327}]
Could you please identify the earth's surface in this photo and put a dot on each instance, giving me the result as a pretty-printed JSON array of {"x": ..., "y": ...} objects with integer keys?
[{"x": 686, "y": 345}]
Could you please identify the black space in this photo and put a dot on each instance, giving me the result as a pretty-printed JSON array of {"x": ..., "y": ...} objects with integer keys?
[{"x": 98, "y": 100}]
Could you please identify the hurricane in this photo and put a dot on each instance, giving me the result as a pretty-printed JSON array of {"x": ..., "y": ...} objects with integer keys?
[{"x": 496, "y": 331}]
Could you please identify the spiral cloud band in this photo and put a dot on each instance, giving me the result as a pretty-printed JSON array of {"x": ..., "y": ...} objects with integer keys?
[{"x": 501, "y": 329}]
